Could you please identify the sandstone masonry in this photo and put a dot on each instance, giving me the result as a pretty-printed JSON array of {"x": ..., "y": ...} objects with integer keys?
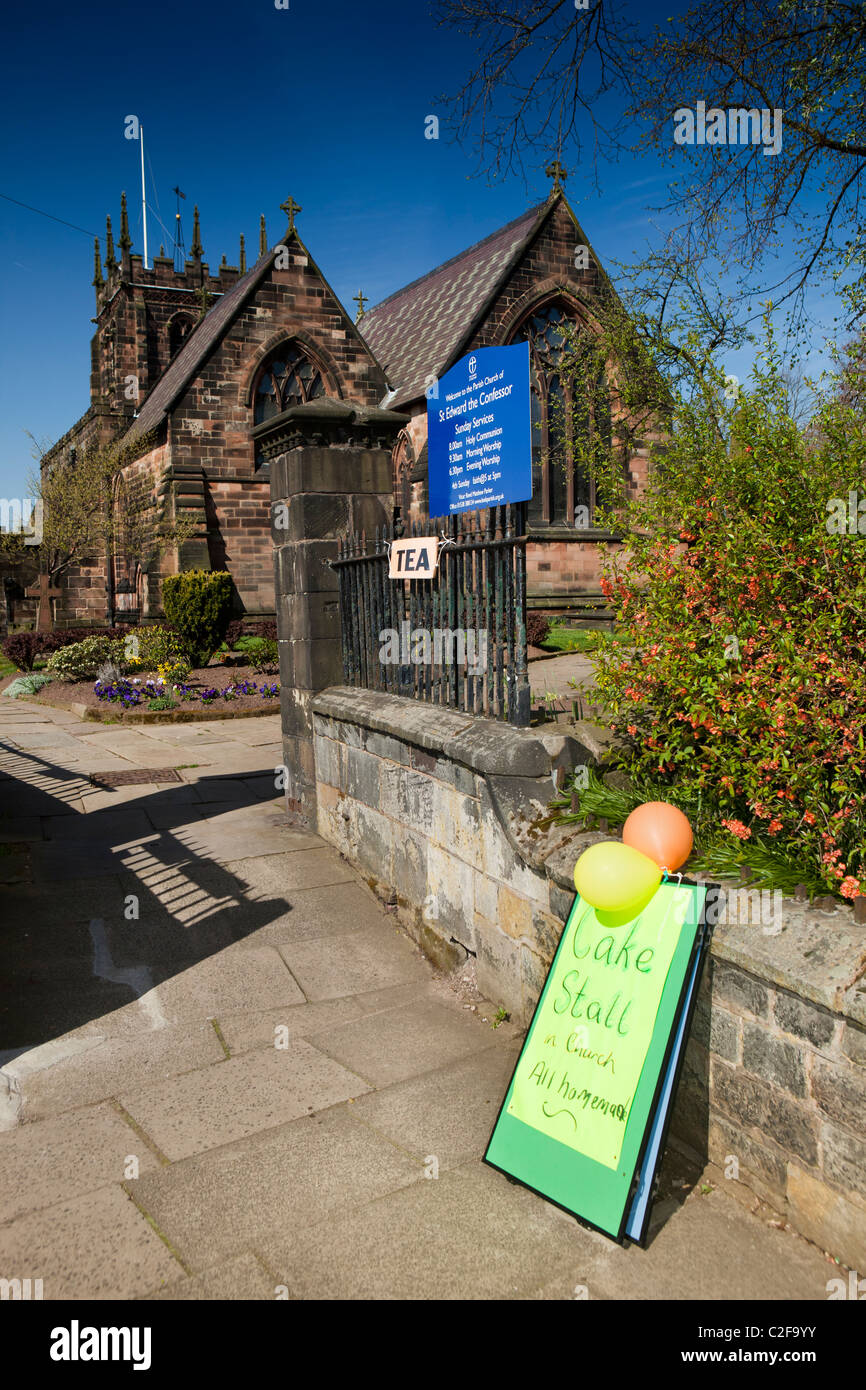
[{"x": 440, "y": 811}]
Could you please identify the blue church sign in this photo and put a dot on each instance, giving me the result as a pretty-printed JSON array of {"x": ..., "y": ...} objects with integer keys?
[{"x": 479, "y": 445}]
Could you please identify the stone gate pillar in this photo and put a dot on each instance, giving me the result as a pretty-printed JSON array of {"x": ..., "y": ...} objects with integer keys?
[{"x": 330, "y": 465}]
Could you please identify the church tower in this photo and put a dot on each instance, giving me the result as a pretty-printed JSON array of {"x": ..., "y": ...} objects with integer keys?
[{"x": 144, "y": 316}]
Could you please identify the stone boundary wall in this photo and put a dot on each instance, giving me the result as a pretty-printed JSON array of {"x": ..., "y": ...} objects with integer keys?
[{"x": 443, "y": 814}]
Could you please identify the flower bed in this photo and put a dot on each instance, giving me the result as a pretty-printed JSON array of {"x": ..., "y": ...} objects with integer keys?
[
  {"x": 130, "y": 693},
  {"x": 215, "y": 691}
]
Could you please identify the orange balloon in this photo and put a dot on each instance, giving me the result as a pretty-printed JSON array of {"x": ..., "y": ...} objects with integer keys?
[{"x": 661, "y": 832}]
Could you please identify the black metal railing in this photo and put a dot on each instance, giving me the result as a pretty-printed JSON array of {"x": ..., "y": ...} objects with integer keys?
[{"x": 457, "y": 639}]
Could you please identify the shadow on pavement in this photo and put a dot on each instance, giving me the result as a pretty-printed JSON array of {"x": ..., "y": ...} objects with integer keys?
[{"x": 98, "y": 908}]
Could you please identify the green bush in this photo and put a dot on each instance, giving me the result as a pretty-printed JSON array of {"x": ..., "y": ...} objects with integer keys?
[
  {"x": 263, "y": 652},
  {"x": 81, "y": 660},
  {"x": 743, "y": 699},
  {"x": 267, "y": 657},
  {"x": 198, "y": 606}
]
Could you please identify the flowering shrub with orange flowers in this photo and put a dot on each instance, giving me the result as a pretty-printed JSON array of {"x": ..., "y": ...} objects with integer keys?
[{"x": 743, "y": 696}]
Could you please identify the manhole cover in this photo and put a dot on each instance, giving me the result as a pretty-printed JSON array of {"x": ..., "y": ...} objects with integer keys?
[{"x": 135, "y": 775}]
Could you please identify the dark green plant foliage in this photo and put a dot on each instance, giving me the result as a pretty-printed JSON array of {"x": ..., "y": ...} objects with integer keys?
[
  {"x": 198, "y": 606},
  {"x": 263, "y": 653}
]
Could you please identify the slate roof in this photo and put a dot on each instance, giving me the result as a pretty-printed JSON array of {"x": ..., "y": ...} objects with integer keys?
[
  {"x": 178, "y": 375},
  {"x": 415, "y": 333}
]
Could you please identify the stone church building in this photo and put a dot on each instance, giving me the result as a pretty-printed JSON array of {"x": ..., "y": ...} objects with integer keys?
[{"x": 187, "y": 363}]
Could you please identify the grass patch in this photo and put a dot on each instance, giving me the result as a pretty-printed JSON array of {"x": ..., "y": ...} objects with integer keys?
[{"x": 562, "y": 638}]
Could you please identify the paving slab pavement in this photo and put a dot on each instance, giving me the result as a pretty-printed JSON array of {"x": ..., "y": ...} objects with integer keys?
[
  {"x": 224, "y": 1072},
  {"x": 554, "y": 675}
]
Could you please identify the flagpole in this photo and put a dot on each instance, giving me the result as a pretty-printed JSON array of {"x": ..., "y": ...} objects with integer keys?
[{"x": 143, "y": 198}]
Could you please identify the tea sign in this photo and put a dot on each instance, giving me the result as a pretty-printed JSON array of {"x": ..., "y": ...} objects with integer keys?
[{"x": 414, "y": 558}]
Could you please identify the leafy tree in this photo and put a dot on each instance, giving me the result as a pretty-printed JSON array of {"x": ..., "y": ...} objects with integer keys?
[{"x": 81, "y": 518}]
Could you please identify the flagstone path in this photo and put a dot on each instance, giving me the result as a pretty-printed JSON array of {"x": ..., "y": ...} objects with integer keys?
[{"x": 226, "y": 1074}]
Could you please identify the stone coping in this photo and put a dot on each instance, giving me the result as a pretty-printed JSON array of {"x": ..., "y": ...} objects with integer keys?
[
  {"x": 486, "y": 746},
  {"x": 820, "y": 956}
]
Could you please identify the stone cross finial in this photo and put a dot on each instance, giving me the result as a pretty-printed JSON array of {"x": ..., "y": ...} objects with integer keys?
[
  {"x": 557, "y": 172},
  {"x": 360, "y": 299},
  {"x": 290, "y": 207}
]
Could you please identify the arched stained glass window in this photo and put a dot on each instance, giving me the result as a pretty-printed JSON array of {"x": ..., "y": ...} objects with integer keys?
[
  {"x": 288, "y": 379},
  {"x": 403, "y": 458},
  {"x": 567, "y": 414}
]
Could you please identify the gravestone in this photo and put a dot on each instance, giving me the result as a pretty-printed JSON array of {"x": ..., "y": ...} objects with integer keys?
[{"x": 43, "y": 591}]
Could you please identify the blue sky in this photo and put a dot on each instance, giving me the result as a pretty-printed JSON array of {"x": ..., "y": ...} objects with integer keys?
[{"x": 242, "y": 104}]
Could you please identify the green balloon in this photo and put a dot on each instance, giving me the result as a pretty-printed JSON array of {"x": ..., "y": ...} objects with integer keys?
[{"x": 616, "y": 878}]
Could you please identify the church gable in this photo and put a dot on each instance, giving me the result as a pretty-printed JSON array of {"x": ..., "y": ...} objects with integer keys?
[
  {"x": 558, "y": 261},
  {"x": 279, "y": 337},
  {"x": 551, "y": 278},
  {"x": 282, "y": 309},
  {"x": 416, "y": 331}
]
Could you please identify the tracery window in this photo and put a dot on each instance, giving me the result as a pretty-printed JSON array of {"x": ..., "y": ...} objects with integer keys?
[
  {"x": 403, "y": 459},
  {"x": 289, "y": 378},
  {"x": 569, "y": 409}
]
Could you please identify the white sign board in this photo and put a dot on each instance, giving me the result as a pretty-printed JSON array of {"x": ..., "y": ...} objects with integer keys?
[{"x": 414, "y": 558}]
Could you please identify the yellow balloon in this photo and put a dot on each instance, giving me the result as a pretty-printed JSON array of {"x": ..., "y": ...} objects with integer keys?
[{"x": 615, "y": 877}]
